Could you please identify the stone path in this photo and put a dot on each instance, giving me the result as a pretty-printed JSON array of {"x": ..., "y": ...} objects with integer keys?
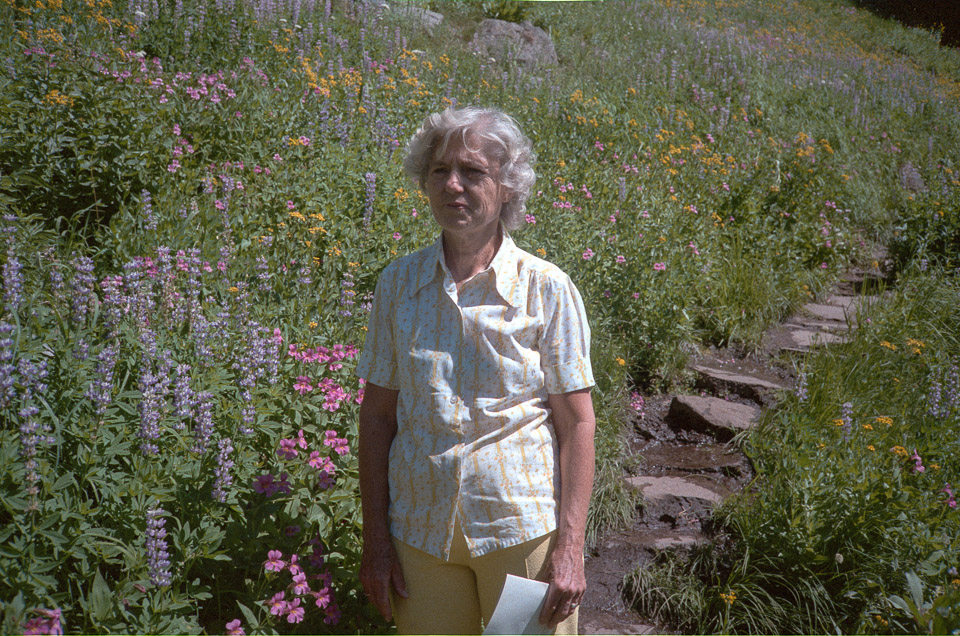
[{"x": 686, "y": 461}]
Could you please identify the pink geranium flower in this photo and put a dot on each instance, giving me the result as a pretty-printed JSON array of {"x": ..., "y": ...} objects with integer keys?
[{"x": 234, "y": 628}]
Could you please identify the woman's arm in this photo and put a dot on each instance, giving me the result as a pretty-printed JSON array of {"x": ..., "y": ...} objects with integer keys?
[
  {"x": 574, "y": 423},
  {"x": 379, "y": 566}
]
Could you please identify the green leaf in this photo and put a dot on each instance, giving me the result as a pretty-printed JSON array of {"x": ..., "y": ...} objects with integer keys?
[
  {"x": 100, "y": 604},
  {"x": 248, "y": 614}
]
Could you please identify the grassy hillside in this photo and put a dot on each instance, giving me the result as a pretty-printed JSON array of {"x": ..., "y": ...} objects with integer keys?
[{"x": 199, "y": 196}]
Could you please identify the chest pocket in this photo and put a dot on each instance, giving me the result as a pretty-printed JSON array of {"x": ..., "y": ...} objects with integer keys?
[{"x": 427, "y": 338}]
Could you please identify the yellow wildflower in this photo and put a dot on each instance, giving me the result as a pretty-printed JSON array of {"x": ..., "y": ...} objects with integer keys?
[
  {"x": 313, "y": 324},
  {"x": 729, "y": 598},
  {"x": 541, "y": 251},
  {"x": 900, "y": 451},
  {"x": 868, "y": 427},
  {"x": 233, "y": 290},
  {"x": 883, "y": 419},
  {"x": 621, "y": 361},
  {"x": 838, "y": 422},
  {"x": 871, "y": 448},
  {"x": 891, "y": 347}
]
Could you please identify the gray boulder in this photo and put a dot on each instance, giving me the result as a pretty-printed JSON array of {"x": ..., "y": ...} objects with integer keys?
[
  {"x": 910, "y": 178},
  {"x": 528, "y": 45},
  {"x": 424, "y": 18}
]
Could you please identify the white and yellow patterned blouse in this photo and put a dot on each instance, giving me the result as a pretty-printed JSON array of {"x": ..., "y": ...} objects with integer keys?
[{"x": 473, "y": 370}]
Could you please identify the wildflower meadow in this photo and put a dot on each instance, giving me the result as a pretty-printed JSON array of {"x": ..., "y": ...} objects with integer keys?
[{"x": 197, "y": 197}]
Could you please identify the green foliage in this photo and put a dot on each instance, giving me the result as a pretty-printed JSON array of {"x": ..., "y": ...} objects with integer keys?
[
  {"x": 853, "y": 488},
  {"x": 703, "y": 168}
]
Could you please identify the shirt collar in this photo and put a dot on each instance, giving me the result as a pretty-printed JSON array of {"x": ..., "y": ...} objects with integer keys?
[{"x": 505, "y": 266}]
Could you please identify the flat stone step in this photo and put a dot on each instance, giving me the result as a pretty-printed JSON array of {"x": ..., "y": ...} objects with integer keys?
[
  {"x": 677, "y": 500},
  {"x": 710, "y": 415},
  {"x": 826, "y": 312},
  {"x": 603, "y": 623},
  {"x": 748, "y": 385},
  {"x": 688, "y": 457},
  {"x": 832, "y": 326},
  {"x": 805, "y": 339},
  {"x": 859, "y": 280}
]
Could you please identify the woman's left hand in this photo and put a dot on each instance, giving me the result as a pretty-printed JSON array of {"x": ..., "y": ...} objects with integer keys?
[
  {"x": 574, "y": 423},
  {"x": 567, "y": 585}
]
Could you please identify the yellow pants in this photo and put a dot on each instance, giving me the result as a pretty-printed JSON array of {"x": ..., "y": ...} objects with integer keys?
[{"x": 451, "y": 597}]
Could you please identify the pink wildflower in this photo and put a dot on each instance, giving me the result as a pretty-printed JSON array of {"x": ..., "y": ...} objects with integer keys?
[
  {"x": 587, "y": 254},
  {"x": 659, "y": 266},
  {"x": 299, "y": 584},
  {"x": 265, "y": 485},
  {"x": 397, "y": 236},
  {"x": 302, "y": 385},
  {"x": 294, "y": 567},
  {"x": 288, "y": 449},
  {"x": 277, "y": 605},
  {"x": 294, "y": 611},
  {"x": 322, "y": 597},
  {"x": 234, "y": 628},
  {"x": 621, "y": 259},
  {"x": 950, "y": 499},
  {"x": 333, "y": 615},
  {"x": 274, "y": 562},
  {"x": 291, "y": 205}
]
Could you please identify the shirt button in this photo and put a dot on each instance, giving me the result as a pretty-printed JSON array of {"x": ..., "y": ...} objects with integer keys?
[{"x": 453, "y": 399}]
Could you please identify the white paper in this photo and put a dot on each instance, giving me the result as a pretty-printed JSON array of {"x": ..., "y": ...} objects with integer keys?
[{"x": 518, "y": 610}]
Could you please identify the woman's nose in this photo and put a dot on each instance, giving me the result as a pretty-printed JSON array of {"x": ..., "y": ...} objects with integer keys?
[{"x": 454, "y": 181}]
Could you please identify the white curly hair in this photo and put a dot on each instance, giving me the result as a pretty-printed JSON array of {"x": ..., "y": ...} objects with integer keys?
[{"x": 513, "y": 152}]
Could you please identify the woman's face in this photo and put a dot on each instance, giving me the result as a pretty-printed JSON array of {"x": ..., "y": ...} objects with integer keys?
[{"x": 464, "y": 189}]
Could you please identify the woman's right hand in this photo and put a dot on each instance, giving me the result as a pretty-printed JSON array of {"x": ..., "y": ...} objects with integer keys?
[{"x": 379, "y": 570}]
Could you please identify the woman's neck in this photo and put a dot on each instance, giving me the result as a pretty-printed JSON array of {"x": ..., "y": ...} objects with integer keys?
[{"x": 467, "y": 256}]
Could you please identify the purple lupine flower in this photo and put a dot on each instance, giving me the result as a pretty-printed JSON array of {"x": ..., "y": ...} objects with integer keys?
[
  {"x": 222, "y": 472},
  {"x": 347, "y": 295},
  {"x": 81, "y": 351},
  {"x": 32, "y": 376},
  {"x": 12, "y": 284},
  {"x": 371, "y": 196},
  {"x": 115, "y": 304},
  {"x": 146, "y": 209},
  {"x": 184, "y": 397},
  {"x": 846, "y": 414},
  {"x": 81, "y": 287},
  {"x": 943, "y": 398},
  {"x": 56, "y": 282},
  {"x": 263, "y": 275},
  {"x": 7, "y": 369},
  {"x": 153, "y": 401},
  {"x": 204, "y": 428},
  {"x": 158, "y": 559},
  {"x": 100, "y": 391},
  {"x": 801, "y": 390},
  {"x": 32, "y": 434}
]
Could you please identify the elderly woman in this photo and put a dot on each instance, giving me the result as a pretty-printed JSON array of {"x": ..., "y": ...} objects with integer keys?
[{"x": 477, "y": 426}]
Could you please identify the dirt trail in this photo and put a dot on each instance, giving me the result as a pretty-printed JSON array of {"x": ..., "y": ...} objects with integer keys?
[{"x": 686, "y": 464}]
